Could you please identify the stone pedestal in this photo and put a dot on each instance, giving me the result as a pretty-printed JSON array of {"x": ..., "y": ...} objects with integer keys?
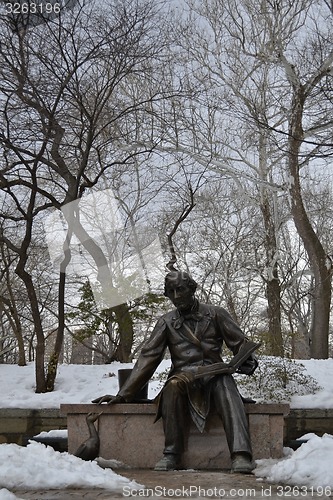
[
  {"x": 18, "y": 425},
  {"x": 307, "y": 420},
  {"x": 128, "y": 434}
]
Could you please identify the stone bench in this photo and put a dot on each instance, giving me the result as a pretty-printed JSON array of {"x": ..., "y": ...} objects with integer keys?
[{"x": 128, "y": 434}]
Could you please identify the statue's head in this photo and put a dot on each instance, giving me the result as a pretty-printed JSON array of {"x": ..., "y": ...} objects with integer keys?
[{"x": 180, "y": 288}]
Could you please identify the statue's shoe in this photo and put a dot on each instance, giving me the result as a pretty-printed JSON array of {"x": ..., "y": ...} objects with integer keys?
[
  {"x": 168, "y": 462},
  {"x": 242, "y": 464}
]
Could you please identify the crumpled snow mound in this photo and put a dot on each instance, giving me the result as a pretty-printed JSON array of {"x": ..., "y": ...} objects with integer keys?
[
  {"x": 36, "y": 464},
  {"x": 310, "y": 465}
]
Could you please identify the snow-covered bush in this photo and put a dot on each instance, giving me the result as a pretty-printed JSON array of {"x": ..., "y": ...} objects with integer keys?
[
  {"x": 276, "y": 380},
  {"x": 160, "y": 377}
]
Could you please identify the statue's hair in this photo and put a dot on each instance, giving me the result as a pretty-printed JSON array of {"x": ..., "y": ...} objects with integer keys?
[{"x": 173, "y": 276}]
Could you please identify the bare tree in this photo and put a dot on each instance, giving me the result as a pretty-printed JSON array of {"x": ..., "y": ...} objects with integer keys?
[
  {"x": 263, "y": 113},
  {"x": 9, "y": 303},
  {"x": 68, "y": 118},
  {"x": 221, "y": 243}
]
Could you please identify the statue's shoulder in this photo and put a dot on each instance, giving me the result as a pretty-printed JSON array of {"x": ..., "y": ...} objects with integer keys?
[
  {"x": 212, "y": 309},
  {"x": 169, "y": 316}
]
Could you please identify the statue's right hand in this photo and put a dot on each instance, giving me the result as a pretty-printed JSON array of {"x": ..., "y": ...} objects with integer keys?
[{"x": 109, "y": 399}]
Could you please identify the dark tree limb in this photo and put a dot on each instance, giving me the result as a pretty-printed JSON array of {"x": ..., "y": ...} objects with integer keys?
[{"x": 186, "y": 211}]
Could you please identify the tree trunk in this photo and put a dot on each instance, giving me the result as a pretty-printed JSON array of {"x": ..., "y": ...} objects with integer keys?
[
  {"x": 320, "y": 264},
  {"x": 126, "y": 333},
  {"x": 32, "y": 295},
  {"x": 273, "y": 292},
  {"x": 10, "y": 309},
  {"x": 54, "y": 359},
  {"x": 40, "y": 347},
  {"x": 273, "y": 288},
  {"x": 16, "y": 326}
]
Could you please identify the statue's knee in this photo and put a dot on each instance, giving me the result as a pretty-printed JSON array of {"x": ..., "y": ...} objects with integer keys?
[
  {"x": 174, "y": 385},
  {"x": 174, "y": 382}
]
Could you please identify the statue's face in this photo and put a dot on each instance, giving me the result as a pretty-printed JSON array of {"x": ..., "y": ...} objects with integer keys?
[{"x": 180, "y": 294}]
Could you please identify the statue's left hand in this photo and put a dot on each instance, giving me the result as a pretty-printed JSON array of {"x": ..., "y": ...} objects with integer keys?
[
  {"x": 249, "y": 366},
  {"x": 109, "y": 399}
]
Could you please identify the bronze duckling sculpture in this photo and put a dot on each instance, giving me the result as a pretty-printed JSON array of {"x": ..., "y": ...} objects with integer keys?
[{"x": 90, "y": 448}]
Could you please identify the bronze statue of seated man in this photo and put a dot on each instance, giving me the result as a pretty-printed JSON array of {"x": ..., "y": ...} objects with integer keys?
[{"x": 194, "y": 333}]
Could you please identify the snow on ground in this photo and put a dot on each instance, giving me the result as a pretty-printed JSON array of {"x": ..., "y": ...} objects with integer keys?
[
  {"x": 322, "y": 371},
  {"x": 74, "y": 384},
  {"x": 38, "y": 466},
  {"x": 82, "y": 383},
  {"x": 309, "y": 466},
  {"x": 34, "y": 466}
]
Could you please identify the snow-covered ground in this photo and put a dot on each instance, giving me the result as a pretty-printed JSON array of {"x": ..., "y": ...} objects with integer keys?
[{"x": 37, "y": 466}]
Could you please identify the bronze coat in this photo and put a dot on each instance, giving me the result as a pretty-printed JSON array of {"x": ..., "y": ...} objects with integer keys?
[{"x": 192, "y": 342}]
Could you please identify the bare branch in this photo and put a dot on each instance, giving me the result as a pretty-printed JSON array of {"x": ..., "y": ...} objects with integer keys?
[{"x": 185, "y": 213}]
